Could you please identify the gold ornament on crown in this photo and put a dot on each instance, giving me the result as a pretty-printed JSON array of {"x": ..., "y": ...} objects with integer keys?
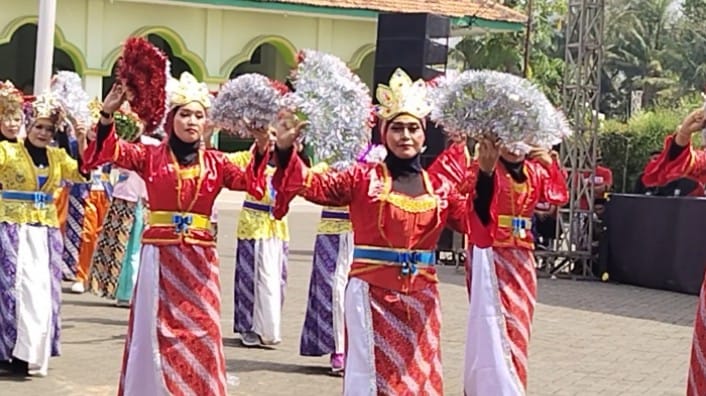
[
  {"x": 94, "y": 107},
  {"x": 11, "y": 99},
  {"x": 186, "y": 90},
  {"x": 402, "y": 96},
  {"x": 47, "y": 106}
]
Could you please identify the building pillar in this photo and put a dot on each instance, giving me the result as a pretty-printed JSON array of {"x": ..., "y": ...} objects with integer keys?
[
  {"x": 213, "y": 57},
  {"x": 44, "y": 58},
  {"x": 93, "y": 76},
  {"x": 93, "y": 85}
]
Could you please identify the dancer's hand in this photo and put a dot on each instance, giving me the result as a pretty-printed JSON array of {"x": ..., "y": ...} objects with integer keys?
[
  {"x": 81, "y": 130},
  {"x": 206, "y": 137},
  {"x": 264, "y": 138},
  {"x": 116, "y": 97},
  {"x": 694, "y": 122},
  {"x": 457, "y": 137},
  {"x": 488, "y": 154},
  {"x": 288, "y": 128},
  {"x": 543, "y": 156}
]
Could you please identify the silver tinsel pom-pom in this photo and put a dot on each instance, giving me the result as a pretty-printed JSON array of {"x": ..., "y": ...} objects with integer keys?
[
  {"x": 483, "y": 102},
  {"x": 66, "y": 86},
  {"x": 336, "y": 103},
  {"x": 247, "y": 101}
]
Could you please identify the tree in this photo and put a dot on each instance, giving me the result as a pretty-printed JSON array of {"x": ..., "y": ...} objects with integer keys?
[
  {"x": 504, "y": 52},
  {"x": 636, "y": 47},
  {"x": 688, "y": 59}
]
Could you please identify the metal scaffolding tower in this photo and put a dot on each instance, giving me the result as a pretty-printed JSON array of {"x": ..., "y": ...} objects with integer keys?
[{"x": 574, "y": 250}]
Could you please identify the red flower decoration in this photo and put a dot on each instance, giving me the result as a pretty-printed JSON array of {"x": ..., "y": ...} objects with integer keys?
[
  {"x": 373, "y": 120},
  {"x": 143, "y": 70},
  {"x": 282, "y": 88},
  {"x": 300, "y": 57}
]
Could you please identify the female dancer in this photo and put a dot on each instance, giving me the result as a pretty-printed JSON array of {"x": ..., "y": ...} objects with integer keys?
[
  {"x": 261, "y": 265},
  {"x": 96, "y": 198},
  {"x": 496, "y": 350},
  {"x": 323, "y": 332},
  {"x": 117, "y": 256},
  {"x": 398, "y": 211},
  {"x": 174, "y": 343},
  {"x": 30, "y": 272},
  {"x": 11, "y": 100},
  {"x": 680, "y": 159},
  {"x": 72, "y": 204}
]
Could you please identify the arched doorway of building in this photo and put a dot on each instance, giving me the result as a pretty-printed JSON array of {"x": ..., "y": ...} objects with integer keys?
[
  {"x": 18, "y": 58},
  {"x": 266, "y": 60},
  {"x": 176, "y": 64},
  {"x": 366, "y": 71}
]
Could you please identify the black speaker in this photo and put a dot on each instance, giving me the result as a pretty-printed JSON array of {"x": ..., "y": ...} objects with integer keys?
[
  {"x": 414, "y": 52},
  {"x": 435, "y": 143},
  {"x": 413, "y": 25},
  {"x": 417, "y": 43}
]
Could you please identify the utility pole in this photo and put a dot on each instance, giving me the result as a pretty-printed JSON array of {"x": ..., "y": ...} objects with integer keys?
[{"x": 528, "y": 40}]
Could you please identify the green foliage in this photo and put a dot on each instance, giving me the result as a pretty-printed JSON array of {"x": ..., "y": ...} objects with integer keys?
[
  {"x": 626, "y": 147},
  {"x": 505, "y": 51},
  {"x": 638, "y": 45}
]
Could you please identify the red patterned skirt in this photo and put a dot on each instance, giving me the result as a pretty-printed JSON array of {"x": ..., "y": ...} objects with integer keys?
[
  {"x": 393, "y": 344},
  {"x": 510, "y": 289},
  {"x": 174, "y": 344},
  {"x": 696, "y": 385}
]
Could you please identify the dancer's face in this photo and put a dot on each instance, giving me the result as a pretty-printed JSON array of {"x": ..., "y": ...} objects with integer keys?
[
  {"x": 509, "y": 156},
  {"x": 405, "y": 136},
  {"x": 10, "y": 125},
  {"x": 42, "y": 133},
  {"x": 189, "y": 122}
]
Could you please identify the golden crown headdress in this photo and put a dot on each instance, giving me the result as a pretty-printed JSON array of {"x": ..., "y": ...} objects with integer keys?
[
  {"x": 94, "y": 107},
  {"x": 402, "y": 96},
  {"x": 11, "y": 99},
  {"x": 186, "y": 90},
  {"x": 47, "y": 106}
]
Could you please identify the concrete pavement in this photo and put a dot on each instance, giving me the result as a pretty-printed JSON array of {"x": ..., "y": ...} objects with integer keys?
[{"x": 588, "y": 338}]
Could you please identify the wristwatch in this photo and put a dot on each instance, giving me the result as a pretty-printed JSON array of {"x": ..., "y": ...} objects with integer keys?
[{"x": 105, "y": 115}]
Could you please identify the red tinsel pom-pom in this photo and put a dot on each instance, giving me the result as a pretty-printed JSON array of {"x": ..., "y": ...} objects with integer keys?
[
  {"x": 281, "y": 87},
  {"x": 143, "y": 70},
  {"x": 300, "y": 57}
]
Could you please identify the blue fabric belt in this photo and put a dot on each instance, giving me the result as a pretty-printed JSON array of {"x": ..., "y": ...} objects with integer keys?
[
  {"x": 39, "y": 198},
  {"x": 407, "y": 259},
  {"x": 325, "y": 214},
  {"x": 257, "y": 206}
]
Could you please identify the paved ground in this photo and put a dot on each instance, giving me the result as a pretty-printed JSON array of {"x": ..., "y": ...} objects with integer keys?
[{"x": 588, "y": 338}]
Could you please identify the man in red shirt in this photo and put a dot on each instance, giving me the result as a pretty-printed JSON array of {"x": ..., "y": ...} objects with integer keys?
[{"x": 602, "y": 183}]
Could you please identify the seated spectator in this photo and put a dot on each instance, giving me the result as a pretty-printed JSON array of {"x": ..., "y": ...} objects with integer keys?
[
  {"x": 544, "y": 225},
  {"x": 640, "y": 187}
]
